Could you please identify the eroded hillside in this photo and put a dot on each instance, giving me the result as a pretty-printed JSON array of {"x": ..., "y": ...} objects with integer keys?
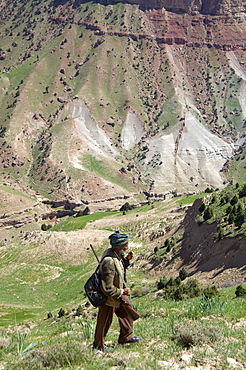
[{"x": 111, "y": 100}]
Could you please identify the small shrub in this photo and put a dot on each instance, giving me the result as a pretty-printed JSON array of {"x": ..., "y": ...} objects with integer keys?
[
  {"x": 177, "y": 280},
  {"x": 193, "y": 333},
  {"x": 210, "y": 292},
  {"x": 171, "y": 282},
  {"x": 208, "y": 213},
  {"x": 43, "y": 227},
  {"x": 240, "y": 291},
  {"x": 242, "y": 192},
  {"x": 231, "y": 219},
  {"x": 174, "y": 289},
  {"x": 79, "y": 213},
  {"x": 54, "y": 357},
  {"x": 183, "y": 274},
  {"x": 239, "y": 219},
  {"x": 161, "y": 283},
  {"x": 126, "y": 207},
  {"x": 193, "y": 288},
  {"x": 220, "y": 232}
]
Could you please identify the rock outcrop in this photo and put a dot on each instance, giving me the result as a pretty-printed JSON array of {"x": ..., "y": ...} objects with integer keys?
[{"x": 216, "y": 7}]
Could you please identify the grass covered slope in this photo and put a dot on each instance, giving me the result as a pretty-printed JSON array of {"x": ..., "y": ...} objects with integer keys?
[{"x": 204, "y": 332}]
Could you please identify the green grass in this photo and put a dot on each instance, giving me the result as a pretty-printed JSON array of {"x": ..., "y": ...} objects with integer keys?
[
  {"x": 165, "y": 328},
  {"x": 104, "y": 170},
  {"x": 12, "y": 315},
  {"x": 76, "y": 223},
  {"x": 189, "y": 199}
]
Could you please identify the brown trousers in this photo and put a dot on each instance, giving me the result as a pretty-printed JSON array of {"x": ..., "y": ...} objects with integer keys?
[{"x": 104, "y": 320}]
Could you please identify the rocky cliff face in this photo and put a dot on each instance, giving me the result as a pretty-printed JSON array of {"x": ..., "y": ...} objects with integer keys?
[{"x": 221, "y": 7}]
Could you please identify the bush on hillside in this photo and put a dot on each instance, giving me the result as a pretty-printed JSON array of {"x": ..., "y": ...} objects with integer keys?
[
  {"x": 239, "y": 219},
  {"x": 183, "y": 274},
  {"x": 193, "y": 333},
  {"x": 240, "y": 291},
  {"x": 161, "y": 283},
  {"x": 178, "y": 291},
  {"x": 165, "y": 282},
  {"x": 60, "y": 356},
  {"x": 242, "y": 192},
  {"x": 230, "y": 219},
  {"x": 45, "y": 227},
  {"x": 210, "y": 292},
  {"x": 208, "y": 213},
  {"x": 84, "y": 212},
  {"x": 126, "y": 207}
]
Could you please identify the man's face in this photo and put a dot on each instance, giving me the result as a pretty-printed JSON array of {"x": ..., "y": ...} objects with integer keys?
[
  {"x": 125, "y": 247},
  {"x": 122, "y": 250}
]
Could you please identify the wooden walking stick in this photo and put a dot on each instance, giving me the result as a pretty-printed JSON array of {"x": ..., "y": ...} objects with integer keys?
[{"x": 93, "y": 250}]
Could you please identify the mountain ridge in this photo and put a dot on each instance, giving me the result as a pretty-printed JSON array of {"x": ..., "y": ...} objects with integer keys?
[
  {"x": 214, "y": 7},
  {"x": 170, "y": 76}
]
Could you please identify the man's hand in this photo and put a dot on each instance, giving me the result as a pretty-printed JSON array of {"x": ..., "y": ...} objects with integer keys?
[
  {"x": 126, "y": 291},
  {"x": 130, "y": 256}
]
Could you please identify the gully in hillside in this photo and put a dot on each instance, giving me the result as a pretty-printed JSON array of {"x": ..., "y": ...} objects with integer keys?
[{"x": 112, "y": 268}]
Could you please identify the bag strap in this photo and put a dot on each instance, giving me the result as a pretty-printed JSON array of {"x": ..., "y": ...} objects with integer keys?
[
  {"x": 118, "y": 271},
  {"x": 120, "y": 275},
  {"x": 124, "y": 282}
]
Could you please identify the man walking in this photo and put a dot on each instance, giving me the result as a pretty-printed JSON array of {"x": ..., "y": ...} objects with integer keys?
[{"x": 112, "y": 269}]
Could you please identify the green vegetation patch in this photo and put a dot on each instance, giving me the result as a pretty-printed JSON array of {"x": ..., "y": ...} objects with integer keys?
[
  {"x": 166, "y": 329},
  {"x": 228, "y": 209},
  {"x": 104, "y": 170},
  {"x": 80, "y": 222},
  {"x": 10, "y": 316}
]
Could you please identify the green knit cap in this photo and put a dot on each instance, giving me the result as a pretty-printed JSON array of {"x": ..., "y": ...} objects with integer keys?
[{"x": 118, "y": 239}]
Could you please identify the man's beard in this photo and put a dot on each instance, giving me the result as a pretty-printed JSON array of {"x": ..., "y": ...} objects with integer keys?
[{"x": 122, "y": 253}]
